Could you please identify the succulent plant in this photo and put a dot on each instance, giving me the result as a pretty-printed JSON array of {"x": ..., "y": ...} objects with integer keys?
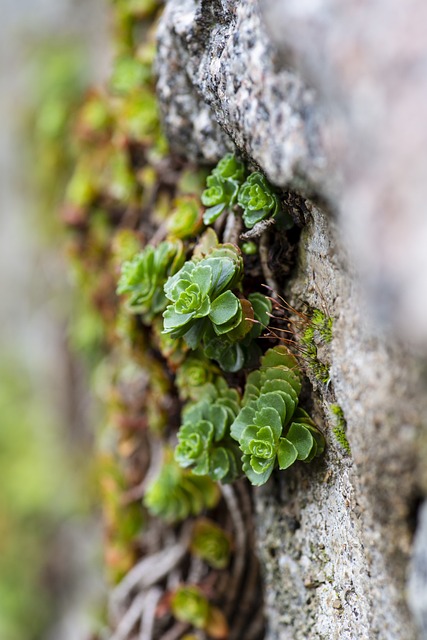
[
  {"x": 185, "y": 220},
  {"x": 204, "y": 442},
  {"x": 194, "y": 373},
  {"x": 202, "y": 299},
  {"x": 211, "y": 543},
  {"x": 222, "y": 187},
  {"x": 128, "y": 75},
  {"x": 270, "y": 428},
  {"x": 189, "y": 604},
  {"x": 257, "y": 199},
  {"x": 143, "y": 277},
  {"x": 177, "y": 494},
  {"x": 94, "y": 119},
  {"x": 138, "y": 117}
]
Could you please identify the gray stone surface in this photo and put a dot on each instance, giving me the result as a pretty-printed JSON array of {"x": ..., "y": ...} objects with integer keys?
[
  {"x": 417, "y": 589},
  {"x": 327, "y": 98},
  {"x": 217, "y": 54},
  {"x": 368, "y": 64},
  {"x": 335, "y": 538}
]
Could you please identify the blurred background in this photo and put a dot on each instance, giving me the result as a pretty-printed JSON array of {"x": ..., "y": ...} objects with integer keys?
[{"x": 51, "y": 581}]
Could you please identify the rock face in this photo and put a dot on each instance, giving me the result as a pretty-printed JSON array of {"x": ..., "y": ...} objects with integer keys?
[
  {"x": 328, "y": 100},
  {"x": 218, "y": 55}
]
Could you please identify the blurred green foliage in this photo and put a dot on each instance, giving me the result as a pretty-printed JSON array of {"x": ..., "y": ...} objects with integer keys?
[
  {"x": 34, "y": 499},
  {"x": 40, "y": 490}
]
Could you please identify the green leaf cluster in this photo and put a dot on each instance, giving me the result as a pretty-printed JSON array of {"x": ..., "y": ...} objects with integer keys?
[
  {"x": 185, "y": 220},
  {"x": 177, "y": 494},
  {"x": 257, "y": 199},
  {"x": 142, "y": 278},
  {"x": 205, "y": 311},
  {"x": 201, "y": 297},
  {"x": 190, "y": 605},
  {"x": 233, "y": 356},
  {"x": 222, "y": 187},
  {"x": 204, "y": 442},
  {"x": 271, "y": 429},
  {"x": 211, "y": 543},
  {"x": 194, "y": 373},
  {"x": 226, "y": 187}
]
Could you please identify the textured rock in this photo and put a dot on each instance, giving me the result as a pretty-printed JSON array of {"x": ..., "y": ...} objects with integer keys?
[
  {"x": 417, "y": 591},
  {"x": 328, "y": 99},
  {"x": 217, "y": 54},
  {"x": 335, "y": 540},
  {"x": 368, "y": 62}
]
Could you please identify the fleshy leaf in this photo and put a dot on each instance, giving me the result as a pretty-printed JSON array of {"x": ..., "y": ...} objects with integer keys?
[
  {"x": 286, "y": 453},
  {"x": 257, "y": 479},
  {"x": 269, "y": 417},
  {"x": 302, "y": 439},
  {"x": 224, "y": 308},
  {"x": 246, "y": 417}
]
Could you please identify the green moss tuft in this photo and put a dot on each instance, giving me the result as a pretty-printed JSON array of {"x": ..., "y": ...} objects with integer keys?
[
  {"x": 339, "y": 430},
  {"x": 317, "y": 332}
]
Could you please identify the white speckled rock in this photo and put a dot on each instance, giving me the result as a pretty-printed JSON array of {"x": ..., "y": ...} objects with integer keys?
[{"x": 215, "y": 58}]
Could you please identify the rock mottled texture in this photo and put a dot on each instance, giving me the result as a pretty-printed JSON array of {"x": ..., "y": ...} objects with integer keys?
[
  {"x": 328, "y": 99},
  {"x": 218, "y": 55},
  {"x": 368, "y": 65},
  {"x": 335, "y": 540}
]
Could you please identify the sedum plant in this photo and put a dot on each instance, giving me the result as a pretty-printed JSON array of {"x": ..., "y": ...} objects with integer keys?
[
  {"x": 142, "y": 278},
  {"x": 185, "y": 220},
  {"x": 190, "y": 605},
  {"x": 193, "y": 374},
  {"x": 211, "y": 543},
  {"x": 177, "y": 494},
  {"x": 270, "y": 428},
  {"x": 205, "y": 311},
  {"x": 201, "y": 297},
  {"x": 257, "y": 199},
  {"x": 222, "y": 187},
  {"x": 204, "y": 442}
]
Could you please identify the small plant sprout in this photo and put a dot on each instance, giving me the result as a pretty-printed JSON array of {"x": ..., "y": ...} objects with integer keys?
[
  {"x": 270, "y": 428},
  {"x": 189, "y": 605},
  {"x": 177, "y": 494},
  {"x": 249, "y": 248},
  {"x": 186, "y": 219},
  {"x": 195, "y": 372},
  {"x": 257, "y": 199},
  {"x": 143, "y": 277},
  {"x": 211, "y": 543},
  {"x": 222, "y": 187}
]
